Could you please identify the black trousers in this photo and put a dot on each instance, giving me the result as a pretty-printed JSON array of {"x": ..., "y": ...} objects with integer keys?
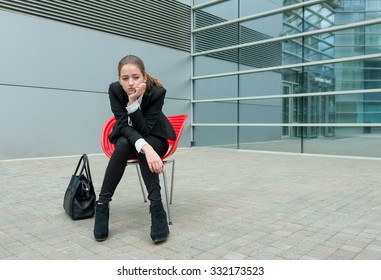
[{"x": 124, "y": 151}]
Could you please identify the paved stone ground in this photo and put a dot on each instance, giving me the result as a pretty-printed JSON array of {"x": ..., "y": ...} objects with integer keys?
[{"x": 228, "y": 204}]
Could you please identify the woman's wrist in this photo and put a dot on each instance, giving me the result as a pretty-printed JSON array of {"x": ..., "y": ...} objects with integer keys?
[
  {"x": 131, "y": 101},
  {"x": 146, "y": 148}
]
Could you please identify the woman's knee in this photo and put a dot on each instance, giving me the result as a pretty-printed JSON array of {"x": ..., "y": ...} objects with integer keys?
[
  {"x": 123, "y": 147},
  {"x": 160, "y": 145}
]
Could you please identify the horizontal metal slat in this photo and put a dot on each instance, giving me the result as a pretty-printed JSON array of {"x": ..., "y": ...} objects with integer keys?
[{"x": 162, "y": 22}]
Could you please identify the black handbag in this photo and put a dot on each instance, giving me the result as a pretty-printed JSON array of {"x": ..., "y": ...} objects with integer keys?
[{"x": 79, "y": 199}]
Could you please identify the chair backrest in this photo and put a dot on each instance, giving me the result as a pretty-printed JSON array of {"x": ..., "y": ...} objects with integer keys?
[
  {"x": 177, "y": 121},
  {"x": 107, "y": 146}
]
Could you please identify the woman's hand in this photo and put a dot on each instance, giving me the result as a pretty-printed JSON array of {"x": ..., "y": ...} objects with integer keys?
[
  {"x": 139, "y": 90},
  {"x": 154, "y": 161}
]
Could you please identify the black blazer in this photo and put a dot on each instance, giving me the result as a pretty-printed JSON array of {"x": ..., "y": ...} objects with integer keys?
[{"x": 149, "y": 120}]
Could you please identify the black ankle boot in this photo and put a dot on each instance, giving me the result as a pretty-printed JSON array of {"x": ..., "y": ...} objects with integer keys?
[
  {"x": 159, "y": 224},
  {"x": 102, "y": 214}
]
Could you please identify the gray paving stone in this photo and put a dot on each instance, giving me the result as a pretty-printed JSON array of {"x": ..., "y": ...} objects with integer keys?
[{"x": 228, "y": 204}]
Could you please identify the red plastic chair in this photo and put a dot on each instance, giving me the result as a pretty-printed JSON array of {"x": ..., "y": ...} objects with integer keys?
[{"x": 178, "y": 123}]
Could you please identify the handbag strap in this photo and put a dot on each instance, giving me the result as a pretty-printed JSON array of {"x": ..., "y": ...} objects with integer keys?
[
  {"x": 87, "y": 167},
  {"x": 84, "y": 160},
  {"x": 81, "y": 160}
]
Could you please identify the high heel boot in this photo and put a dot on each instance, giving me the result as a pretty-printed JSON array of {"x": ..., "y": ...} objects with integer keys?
[
  {"x": 102, "y": 214},
  {"x": 159, "y": 224}
]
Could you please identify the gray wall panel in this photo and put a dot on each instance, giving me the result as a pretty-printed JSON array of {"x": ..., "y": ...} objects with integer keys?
[
  {"x": 57, "y": 73},
  {"x": 44, "y": 122}
]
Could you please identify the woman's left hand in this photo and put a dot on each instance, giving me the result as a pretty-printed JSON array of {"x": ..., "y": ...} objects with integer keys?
[{"x": 154, "y": 161}]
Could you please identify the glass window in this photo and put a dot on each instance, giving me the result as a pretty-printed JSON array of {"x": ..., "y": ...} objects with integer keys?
[{"x": 306, "y": 93}]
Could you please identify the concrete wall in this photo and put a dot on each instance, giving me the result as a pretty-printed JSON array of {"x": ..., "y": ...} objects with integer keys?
[{"x": 54, "y": 79}]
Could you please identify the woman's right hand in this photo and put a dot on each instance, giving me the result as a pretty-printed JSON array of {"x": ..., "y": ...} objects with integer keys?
[{"x": 139, "y": 90}]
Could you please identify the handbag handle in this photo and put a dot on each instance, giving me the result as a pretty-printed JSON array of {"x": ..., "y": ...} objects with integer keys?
[{"x": 85, "y": 166}]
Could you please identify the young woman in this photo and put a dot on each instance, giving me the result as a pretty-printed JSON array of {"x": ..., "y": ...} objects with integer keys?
[{"x": 141, "y": 132}]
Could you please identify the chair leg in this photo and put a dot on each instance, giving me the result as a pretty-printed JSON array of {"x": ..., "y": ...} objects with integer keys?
[
  {"x": 173, "y": 176},
  {"x": 167, "y": 196},
  {"x": 141, "y": 182}
]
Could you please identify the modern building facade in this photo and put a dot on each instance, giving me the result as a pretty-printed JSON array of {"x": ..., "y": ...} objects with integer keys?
[
  {"x": 289, "y": 76},
  {"x": 270, "y": 75},
  {"x": 57, "y": 59}
]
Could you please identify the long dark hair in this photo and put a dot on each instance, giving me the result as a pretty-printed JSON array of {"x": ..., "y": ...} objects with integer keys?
[{"x": 132, "y": 59}]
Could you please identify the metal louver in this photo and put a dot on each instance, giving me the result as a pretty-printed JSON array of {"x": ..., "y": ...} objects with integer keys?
[
  {"x": 260, "y": 56},
  {"x": 165, "y": 23}
]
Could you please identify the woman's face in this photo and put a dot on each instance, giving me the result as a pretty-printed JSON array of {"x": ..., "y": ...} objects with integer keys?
[{"x": 130, "y": 77}]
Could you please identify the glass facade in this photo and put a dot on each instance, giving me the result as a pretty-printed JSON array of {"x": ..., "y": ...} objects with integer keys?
[{"x": 287, "y": 75}]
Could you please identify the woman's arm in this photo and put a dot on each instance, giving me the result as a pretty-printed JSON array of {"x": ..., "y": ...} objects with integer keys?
[
  {"x": 154, "y": 161},
  {"x": 144, "y": 120},
  {"x": 118, "y": 103}
]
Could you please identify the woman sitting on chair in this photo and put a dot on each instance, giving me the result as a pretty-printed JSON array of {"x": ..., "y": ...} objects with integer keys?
[{"x": 141, "y": 132}]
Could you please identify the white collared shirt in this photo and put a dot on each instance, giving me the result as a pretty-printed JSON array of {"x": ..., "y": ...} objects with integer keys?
[{"x": 131, "y": 109}]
